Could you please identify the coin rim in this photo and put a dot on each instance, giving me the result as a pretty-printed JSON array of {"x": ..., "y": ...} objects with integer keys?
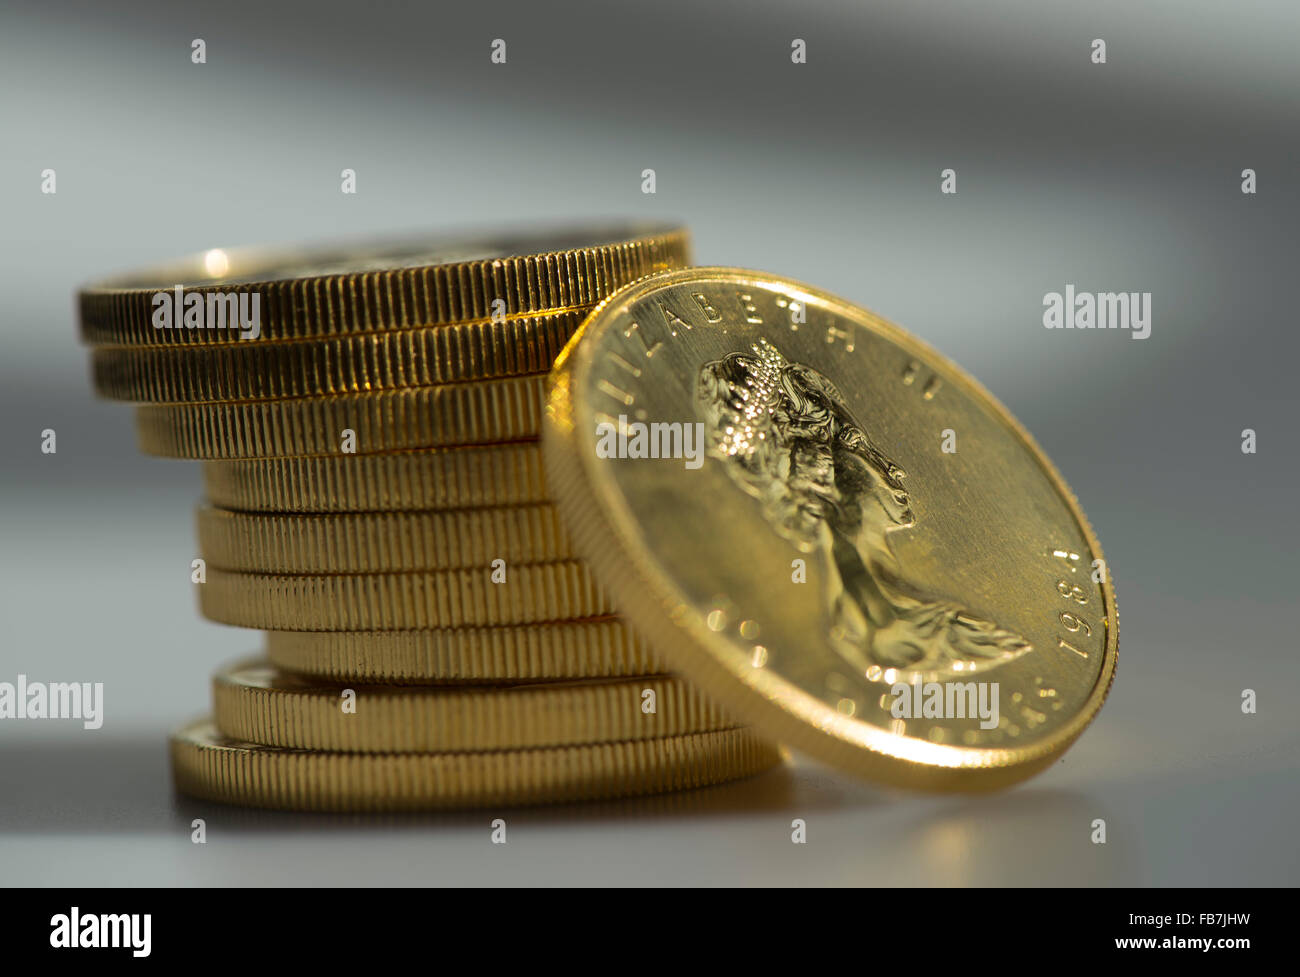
[
  {"x": 117, "y": 310},
  {"x": 402, "y": 600},
  {"x": 324, "y": 485},
  {"x": 403, "y": 657},
  {"x": 331, "y": 366},
  {"x": 209, "y": 766},
  {"x": 380, "y": 542},
  {"x": 296, "y": 711},
  {"x": 605, "y": 533},
  {"x": 445, "y": 415}
]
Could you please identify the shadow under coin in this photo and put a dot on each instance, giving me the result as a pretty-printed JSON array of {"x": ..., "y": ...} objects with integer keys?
[
  {"x": 1026, "y": 837},
  {"x": 780, "y": 788},
  {"x": 105, "y": 783},
  {"x": 125, "y": 785}
]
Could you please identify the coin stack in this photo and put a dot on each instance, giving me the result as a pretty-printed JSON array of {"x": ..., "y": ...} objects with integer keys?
[{"x": 368, "y": 421}]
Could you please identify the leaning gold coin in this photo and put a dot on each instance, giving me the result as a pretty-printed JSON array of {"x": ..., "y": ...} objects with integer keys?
[
  {"x": 375, "y": 542},
  {"x": 437, "y": 478},
  {"x": 209, "y": 766},
  {"x": 761, "y": 475},
  {"x": 255, "y": 702},
  {"x": 244, "y": 295},
  {"x": 521, "y": 594},
  {"x": 326, "y": 367},
  {"x": 488, "y": 411},
  {"x": 597, "y": 648}
]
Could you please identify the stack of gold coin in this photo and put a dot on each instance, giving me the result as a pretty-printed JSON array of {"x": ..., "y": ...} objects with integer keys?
[{"x": 369, "y": 424}]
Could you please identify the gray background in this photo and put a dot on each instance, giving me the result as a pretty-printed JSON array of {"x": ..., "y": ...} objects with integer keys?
[{"x": 1117, "y": 177}]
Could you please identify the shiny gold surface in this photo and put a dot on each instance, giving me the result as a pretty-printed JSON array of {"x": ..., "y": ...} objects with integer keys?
[{"x": 828, "y": 547}]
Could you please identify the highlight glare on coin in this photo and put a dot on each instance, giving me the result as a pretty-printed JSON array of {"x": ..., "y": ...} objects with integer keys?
[{"x": 832, "y": 529}]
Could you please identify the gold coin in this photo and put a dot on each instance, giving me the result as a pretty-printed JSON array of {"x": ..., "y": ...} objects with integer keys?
[
  {"x": 599, "y": 648},
  {"x": 370, "y": 288},
  {"x": 254, "y": 702},
  {"x": 488, "y": 411},
  {"x": 209, "y": 766},
  {"x": 816, "y": 556},
  {"x": 372, "y": 542},
  {"x": 530, "y": 593},
  {"x": 325, "y": 367},
  {"x": 436, "y": 478}
]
